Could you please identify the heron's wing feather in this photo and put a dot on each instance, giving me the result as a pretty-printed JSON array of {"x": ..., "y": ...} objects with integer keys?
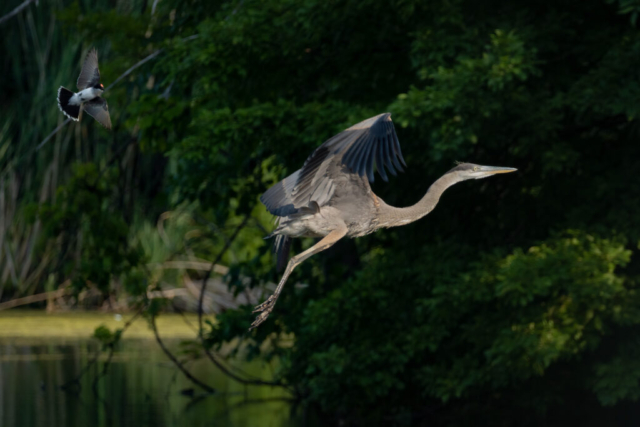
[
  {"x": 278, "y": 199},
  {"x": 372, "y": 141},
  {"x": 90, "y": 74},
  {"x": 98, "y": 109},
  {"x": 314, "y": 182}
]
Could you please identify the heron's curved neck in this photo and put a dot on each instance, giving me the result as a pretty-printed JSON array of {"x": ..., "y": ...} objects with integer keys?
[{"x": 394, "y": 217}]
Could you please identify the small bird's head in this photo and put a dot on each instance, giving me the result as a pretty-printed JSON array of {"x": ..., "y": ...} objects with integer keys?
[
  {"x": 466, "y": 171},
  {"x": 99, "y": 87}
]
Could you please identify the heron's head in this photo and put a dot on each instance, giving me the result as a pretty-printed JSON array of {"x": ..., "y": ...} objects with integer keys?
[{"x": 466, "y": 171}]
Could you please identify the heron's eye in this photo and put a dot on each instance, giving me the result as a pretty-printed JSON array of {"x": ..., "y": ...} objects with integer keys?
[{"x": 476, "y": 168}]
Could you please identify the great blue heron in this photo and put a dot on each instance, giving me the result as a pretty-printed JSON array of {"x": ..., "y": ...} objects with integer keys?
[{"x": 330, "y": 196}]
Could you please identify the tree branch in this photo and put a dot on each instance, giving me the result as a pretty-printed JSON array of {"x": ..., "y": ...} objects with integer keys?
[
  {"x": 16, "y": 11},
  {"x": 35, "y": 298},
  {"x": 210, "y": 355},
  {"x": 56, "y": 130},
  {"x": 105, "y": 368},
  {"x": 130, "y": 70},
  {"x": 213, "y": 264},
  {"x": 239, "y": 379},
  {"x": 176, "y": 361},
  {"x": 76, "y": 380}
]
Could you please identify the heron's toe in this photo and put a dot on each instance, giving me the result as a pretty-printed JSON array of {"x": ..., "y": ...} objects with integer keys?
[
  {"x": 267, "y": 305},
  {"x": 260, "y": 319}
]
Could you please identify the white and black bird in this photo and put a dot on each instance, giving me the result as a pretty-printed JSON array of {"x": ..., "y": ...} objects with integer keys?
[{"x": 88, "y": 99}]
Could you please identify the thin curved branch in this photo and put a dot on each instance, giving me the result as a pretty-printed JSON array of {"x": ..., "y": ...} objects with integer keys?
[
  {"x": 105, "y": 369},
  {"x": 16, "y": 11},
  {"x": 130, "y": 70},
  {"x": 63, "y": 290},
  {"x": 213, "y": 264},
  {"x": 210, "y": 355},
  {"x": 239, "y": 379},
  {"x": 55, "y": 131},
  {"x": 176, "y": 361},
  {"x": 76, "y": 381},
  {"x": 112, "y": 344}
]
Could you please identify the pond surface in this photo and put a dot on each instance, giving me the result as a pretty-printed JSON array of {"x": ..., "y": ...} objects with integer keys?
[{"x": 39, "y": 353}]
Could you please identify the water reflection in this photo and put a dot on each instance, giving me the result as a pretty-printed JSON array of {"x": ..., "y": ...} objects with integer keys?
[{"x": 142, "y": 388}]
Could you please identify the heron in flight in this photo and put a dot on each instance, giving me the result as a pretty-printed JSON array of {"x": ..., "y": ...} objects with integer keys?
[{"x": 330, "y": 197}]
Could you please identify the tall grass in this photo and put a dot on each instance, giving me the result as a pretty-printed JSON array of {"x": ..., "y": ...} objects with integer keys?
[{"x": 37, "y": 55}]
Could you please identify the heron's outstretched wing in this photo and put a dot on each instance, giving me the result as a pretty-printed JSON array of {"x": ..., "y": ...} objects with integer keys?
[
  {"x": 90, "y": 74},
  {"x": 372, "y": 141},
  {"x": 278, "y": 199},
  {"x": 99, "y": 110}
]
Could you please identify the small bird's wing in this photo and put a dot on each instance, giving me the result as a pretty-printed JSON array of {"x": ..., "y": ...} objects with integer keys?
[
  {"x": 372, "y": 141},
  {"x": 98, "y": 109},
  {"x": 90, "y": 74}
]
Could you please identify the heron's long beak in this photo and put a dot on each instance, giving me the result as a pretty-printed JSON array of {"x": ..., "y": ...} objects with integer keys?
[{"x": 496, "y": 169}]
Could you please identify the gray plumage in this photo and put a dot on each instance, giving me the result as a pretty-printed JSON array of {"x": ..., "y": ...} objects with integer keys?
[
  {"x": 99, "y": 110},
  {"x": 373, "y": 141},
  {"x": 330, "y": 196},
  {"x": 90, "y": 73}
]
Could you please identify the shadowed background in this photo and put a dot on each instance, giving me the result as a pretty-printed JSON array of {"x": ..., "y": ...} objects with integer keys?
[{"x": 514, "y": 302}]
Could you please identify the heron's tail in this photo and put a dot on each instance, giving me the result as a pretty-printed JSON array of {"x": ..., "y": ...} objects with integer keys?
[
  {"x": 281, "y": 247},
  {"x": 69, "y": 110}
]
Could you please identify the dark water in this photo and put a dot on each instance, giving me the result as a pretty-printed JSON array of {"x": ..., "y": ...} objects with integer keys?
[{"x": 142, "y": 388}]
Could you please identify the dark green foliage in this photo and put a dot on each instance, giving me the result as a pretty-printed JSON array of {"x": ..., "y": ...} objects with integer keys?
[
  {"x": 515, "y": 301},
  {"x": 94, "y": 245}
]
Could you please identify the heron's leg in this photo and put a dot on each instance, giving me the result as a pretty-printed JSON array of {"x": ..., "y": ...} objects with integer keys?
[{"x": 327, "y": 241}]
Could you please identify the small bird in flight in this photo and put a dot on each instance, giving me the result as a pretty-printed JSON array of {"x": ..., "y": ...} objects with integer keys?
[{"x": 88, "y": 98}]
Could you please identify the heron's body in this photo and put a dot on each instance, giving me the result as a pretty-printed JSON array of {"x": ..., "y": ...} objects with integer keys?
[
  {"x": 371, "y": 214},
  {"x": 330, "y": 196},
  {"x": 338, "y": 212}
]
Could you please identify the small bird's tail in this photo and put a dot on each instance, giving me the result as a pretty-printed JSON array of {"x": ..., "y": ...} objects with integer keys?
[{"x": 69, "y": 110}]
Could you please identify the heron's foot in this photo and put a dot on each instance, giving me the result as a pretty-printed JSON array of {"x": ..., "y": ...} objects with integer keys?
[
  {"x": 267, "y": 305},
  {"x": 264, "y": 309},
  {"x": 261, "y": 318}
]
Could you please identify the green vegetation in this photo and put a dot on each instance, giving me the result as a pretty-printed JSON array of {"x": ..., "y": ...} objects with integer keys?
[
  {"x": 29, "y": 325},
  {"x": 515, "y": 301}
]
